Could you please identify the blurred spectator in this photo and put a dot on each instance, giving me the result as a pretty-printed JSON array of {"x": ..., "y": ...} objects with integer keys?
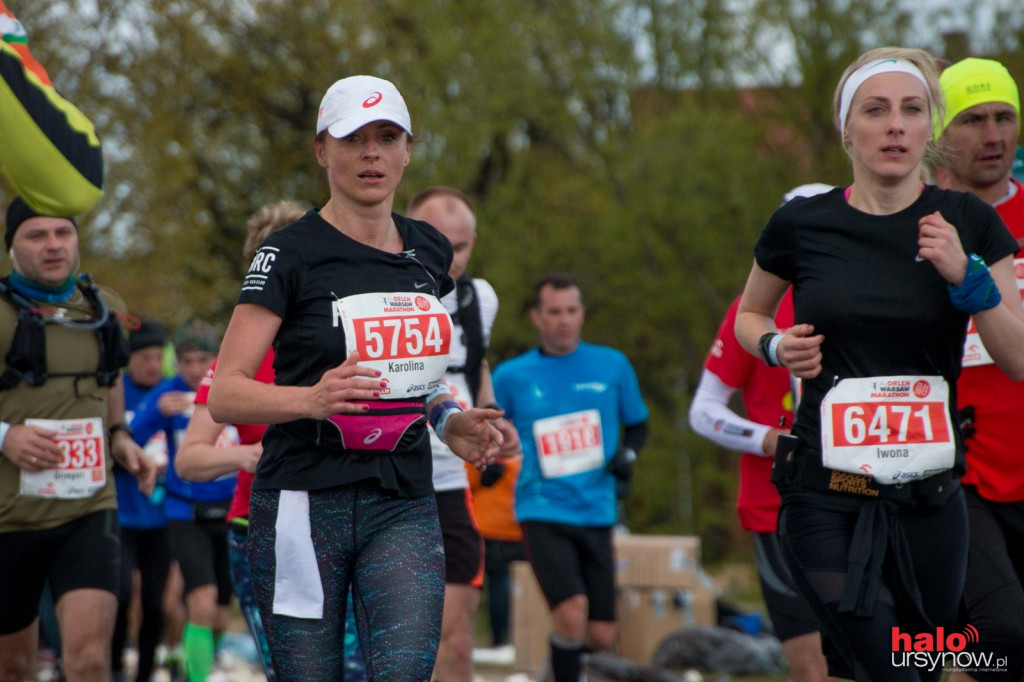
[
  {"x": 494, "y": 506},
  {"x": 196, "y": 511}
]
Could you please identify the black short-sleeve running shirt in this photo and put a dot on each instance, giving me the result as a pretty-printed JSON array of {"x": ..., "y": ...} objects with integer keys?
[
  {"x": 299, "y": 273},
  {"x": 858, "y": 279}
]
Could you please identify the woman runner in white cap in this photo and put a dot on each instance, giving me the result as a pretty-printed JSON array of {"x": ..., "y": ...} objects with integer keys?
[{"x": 349, "y": 297}]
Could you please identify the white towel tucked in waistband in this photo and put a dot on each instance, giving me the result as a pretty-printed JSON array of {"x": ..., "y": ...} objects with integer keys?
[{"x": 298, "y": 591}]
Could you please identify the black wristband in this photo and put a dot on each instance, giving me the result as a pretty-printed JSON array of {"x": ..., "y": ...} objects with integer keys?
[
  {"x": 763, "y": 345},
  {"x": 120, "y": 426}
]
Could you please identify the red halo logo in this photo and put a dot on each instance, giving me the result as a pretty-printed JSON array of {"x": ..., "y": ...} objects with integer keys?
[
  {"x": 422, "y": 303},
  {"x": 922, "y": 388},
  {"x": 373, "y": 100}
]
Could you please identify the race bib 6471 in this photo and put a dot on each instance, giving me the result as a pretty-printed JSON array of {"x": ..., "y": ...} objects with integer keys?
[{"x": 894, "y": 428}]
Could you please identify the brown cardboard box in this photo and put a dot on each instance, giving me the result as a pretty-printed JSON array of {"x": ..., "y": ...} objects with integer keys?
[
  {"x": 657, "y": 560},
  {"x": 659, "y": 592},
  {"x": 531, "y": 619},
  {"x": 646, "y": 615}
]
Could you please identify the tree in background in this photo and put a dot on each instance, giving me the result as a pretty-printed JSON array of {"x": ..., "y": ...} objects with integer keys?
[{"x": 640, "y": 144}]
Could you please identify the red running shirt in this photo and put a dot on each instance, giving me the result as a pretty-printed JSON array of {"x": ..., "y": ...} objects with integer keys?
[
  {"x": 247, "y": 434},
  {"x": 767, "y": 397},
  {"x": 994, "y": 458}
]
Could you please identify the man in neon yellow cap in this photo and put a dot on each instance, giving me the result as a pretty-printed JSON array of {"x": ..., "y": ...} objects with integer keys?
[{"x": 978, "y": 142}]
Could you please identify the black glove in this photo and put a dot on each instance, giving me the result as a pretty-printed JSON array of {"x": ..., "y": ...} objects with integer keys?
[
  {"x": 492, "y": 474},
  {"x": 966, "y": 419},
  {"x": 621, "y": 467}
]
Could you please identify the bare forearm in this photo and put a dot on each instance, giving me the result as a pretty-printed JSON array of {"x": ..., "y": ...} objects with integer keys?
[
  {"x": 755, "y": 316},
  {"x": 750, "y": 327},
  {"x": 240, "y": 400},
  {"x": 1002, "y": 328},
  {"x": 1003, "y": 335},
  {"x": 485, "y": 396},
  {"x": 203, "y": 462}
]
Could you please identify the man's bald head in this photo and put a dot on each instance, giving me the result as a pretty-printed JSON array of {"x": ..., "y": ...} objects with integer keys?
[{"x": 451, "y": 212}]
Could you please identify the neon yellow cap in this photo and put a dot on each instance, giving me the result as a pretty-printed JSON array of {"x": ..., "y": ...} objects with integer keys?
[{"x": 974, "y": 81}]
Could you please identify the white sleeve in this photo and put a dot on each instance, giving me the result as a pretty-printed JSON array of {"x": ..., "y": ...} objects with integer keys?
[
  {"x": 488, "y": 305},
  {"x": 711, "y": 417}
]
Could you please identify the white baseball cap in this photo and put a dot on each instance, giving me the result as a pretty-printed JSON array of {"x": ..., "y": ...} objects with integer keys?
[{"x": 353, "y": 102}]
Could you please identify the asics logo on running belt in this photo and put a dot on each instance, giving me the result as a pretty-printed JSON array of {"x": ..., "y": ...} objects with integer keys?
[{"x": 374, "y": 435}]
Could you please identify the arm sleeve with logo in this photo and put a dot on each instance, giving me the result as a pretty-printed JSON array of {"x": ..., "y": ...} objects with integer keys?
[
  {"x": 711, "y": 417},
  {"x": 727, "y": 369}
]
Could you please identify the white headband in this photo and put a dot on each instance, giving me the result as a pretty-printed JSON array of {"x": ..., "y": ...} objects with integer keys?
[{"x": 867, "y": 71}]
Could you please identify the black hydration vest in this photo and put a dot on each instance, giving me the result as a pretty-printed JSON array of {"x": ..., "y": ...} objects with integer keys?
[
  {"x": 26, "y": 358},
  {"x": 471, "y": 321}
]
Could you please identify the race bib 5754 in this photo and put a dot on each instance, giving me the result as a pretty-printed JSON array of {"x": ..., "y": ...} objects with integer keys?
[{"x": 405, "y": 336}]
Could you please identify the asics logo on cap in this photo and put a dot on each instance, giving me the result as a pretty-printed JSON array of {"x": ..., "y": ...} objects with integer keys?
[{"x": 373, "y": 100}]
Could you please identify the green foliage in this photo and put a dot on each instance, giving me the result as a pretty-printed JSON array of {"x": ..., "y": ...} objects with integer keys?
[{"x": 622, "y": 140}]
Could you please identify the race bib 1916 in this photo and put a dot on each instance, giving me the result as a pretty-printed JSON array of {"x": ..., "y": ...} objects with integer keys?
[
  {"x": 405, "y": 336},
  {"x": 894, "y": 429},
  {"x": 82, "y": 469},
  {"x": 569, "y": 443}
]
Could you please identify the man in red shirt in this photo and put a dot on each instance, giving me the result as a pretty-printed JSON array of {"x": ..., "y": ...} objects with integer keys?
[
  {"x": 977, "y": 144},
  {"x": 768, "y": 398}
]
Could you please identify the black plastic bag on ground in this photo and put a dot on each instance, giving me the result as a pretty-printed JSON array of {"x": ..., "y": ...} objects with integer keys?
[{"x": 722, "y": 650}]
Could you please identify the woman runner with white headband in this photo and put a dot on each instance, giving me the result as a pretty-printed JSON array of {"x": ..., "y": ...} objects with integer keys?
[{"x": 885, "y": 273}]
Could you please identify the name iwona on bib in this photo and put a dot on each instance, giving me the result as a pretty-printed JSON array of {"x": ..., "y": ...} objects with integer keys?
[{"x": 894, "y": 429}]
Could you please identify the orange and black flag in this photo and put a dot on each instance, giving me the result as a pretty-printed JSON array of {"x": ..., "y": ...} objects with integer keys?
[{"x": 49, "y": 152}]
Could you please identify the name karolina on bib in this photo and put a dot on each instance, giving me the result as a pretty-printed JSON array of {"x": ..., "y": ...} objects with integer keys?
[{"x": 404, "y": 336}]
